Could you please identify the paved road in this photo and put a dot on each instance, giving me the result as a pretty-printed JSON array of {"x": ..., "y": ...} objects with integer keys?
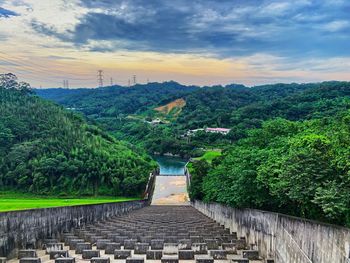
[{"x": 170, "y": 190}]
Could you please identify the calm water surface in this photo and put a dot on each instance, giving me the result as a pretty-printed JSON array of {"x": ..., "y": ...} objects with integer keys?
[{"x": 170, "y": 165}]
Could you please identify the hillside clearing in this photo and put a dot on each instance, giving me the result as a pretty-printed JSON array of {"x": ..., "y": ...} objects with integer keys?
[
  {"x": 209, "y": 156},
  {"x": 174, "y": 108}
]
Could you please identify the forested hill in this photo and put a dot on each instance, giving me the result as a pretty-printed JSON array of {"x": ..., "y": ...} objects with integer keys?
[
  {"x": 234, "y": 106},
  {"x": 47, "y": 149},
  {"x": 114, "y": 100}
]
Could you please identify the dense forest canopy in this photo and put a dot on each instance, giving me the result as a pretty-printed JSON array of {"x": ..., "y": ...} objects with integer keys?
[
  {"x": 47, "y": 149},
  {"x": 295, "y": 167}
]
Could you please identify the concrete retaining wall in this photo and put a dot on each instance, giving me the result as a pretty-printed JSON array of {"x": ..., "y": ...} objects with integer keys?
[
  {"x": 284, "y": 238},
  {"x": 20, "y": 229}
]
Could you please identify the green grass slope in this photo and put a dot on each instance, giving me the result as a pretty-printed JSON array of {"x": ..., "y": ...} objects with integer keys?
[{"x": 12, "y": 201}]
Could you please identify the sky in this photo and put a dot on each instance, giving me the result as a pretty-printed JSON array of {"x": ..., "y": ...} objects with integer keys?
[{"x": 200, "y": 42}]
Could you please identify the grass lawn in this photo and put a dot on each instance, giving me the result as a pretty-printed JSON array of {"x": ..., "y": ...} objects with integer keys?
[
  {"x": 209, "y": 156},
  {"x": 10, "y": 201}
]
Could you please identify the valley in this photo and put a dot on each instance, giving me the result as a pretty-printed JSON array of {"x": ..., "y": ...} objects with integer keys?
[{"x": 284, "y": 152}]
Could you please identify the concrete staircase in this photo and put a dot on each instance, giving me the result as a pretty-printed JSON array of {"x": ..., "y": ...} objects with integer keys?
[{"x": 166, "y": 234}]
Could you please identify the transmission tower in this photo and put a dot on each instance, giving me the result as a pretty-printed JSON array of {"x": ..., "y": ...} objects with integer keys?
[
  {"x": 100, "y": 78},
  {"x": 65, "y": 84},
  {"x": 111, "y": 81},
  {"x": 129, "y": 83},
  {"x": 134, "y": 79}
]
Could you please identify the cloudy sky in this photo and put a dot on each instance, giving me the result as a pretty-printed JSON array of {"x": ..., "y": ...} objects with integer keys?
[{"x": 193, "y": 42}]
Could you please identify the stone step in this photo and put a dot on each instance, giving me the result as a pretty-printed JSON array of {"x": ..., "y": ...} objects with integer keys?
[
  {"x": 122, "y": 254},
  {"x": 58, "y": 254},
  {"x": 166, "y": 234},
  {"x": 100, "y": 260},
  {"x": 65, "y": 260},
  {"x": 30, "y": 260}
]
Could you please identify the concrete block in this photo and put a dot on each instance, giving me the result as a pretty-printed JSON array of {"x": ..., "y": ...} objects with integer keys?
[
  {"x": 79, "y": 247},
  {"x": 196, "y": 239},
  {"x": 250, "y": 254},
  {"x": 93, "y": 238},
  {"x": 73, "y": 243},
  {"x": 240, "y": 260},
  {"x": 154, "y": 254},
  {"x": 204, "y": 259},
  {"x": 120, "y": 239},
  {"x": 170, "y": 259},
  {"x": 135, "y": 260},
  {"x": 101, "y": 243},
  {"x": 146, "y": 239},
  {"x": 58, "y": 254},
  {"x": 53, "y": 246},
  {"x": 110, "y": 247},
  {"x": 186, "y": 254},
  {"x": 2, "y": 260},
  {"x": 89, "y": 254},
  {"x": 184, "y": 244},
  {"x": 50, "y": 240},
  {"x": 122, "y": 254},
  {"x": 30, "y": 260},
  {"x": 240, "y": 244},
  {"x": 157, "y": 244},
  {"x": 141, "y": 248},
  {"x": 170, "y": 249},
  {"x": 212, "y": 244},
  {"x": 100, "y": 260},
  {"x": 68, "y": 238},
  {"x": 129, "y": 243},
  {"x": 218, "y": 254},
  {"x": 27, "y": 253},
  {"x": 65, "y": 260},
  {"x": 229, "y": 247},
  {"x": 200, "y": 248},
  {"x": 171, "y": 239}
]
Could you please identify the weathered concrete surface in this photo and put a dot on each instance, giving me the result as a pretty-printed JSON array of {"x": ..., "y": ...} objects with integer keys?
[
  {"x": 284, "y": 238},
  {"x": 20, "y": 229},
  {"x": 170, "y": 190}
]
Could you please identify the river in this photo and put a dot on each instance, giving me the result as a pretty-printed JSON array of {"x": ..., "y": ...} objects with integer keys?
[{"x": 170, "y": 165}]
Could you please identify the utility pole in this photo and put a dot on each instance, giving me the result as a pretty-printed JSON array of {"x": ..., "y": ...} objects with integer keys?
[
  {"x": 134, "y": 79},
  {"x": 100, "y": 78}
]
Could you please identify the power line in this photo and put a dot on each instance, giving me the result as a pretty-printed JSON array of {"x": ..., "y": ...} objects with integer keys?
[{"x": 100, "y": 78}]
